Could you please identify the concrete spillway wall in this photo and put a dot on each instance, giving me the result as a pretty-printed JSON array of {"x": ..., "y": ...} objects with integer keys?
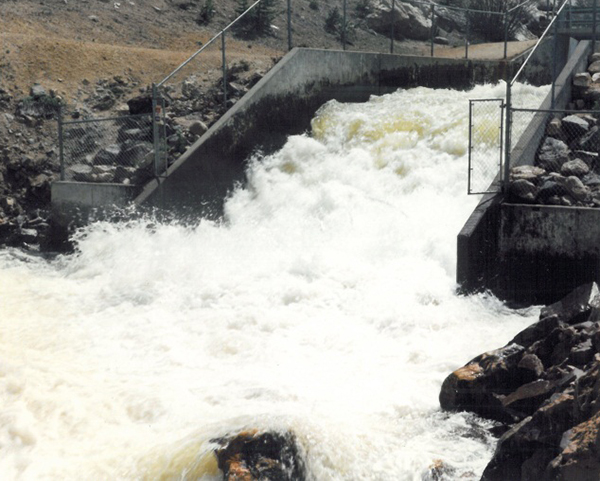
[
  {"x": 285, "y": 101},
  {"x": 281, "y": 104},
  {"x": 530, "y": 254}
]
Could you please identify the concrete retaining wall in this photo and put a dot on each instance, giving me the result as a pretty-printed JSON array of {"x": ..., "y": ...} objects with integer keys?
[
  {"x": 283, "y": 103},
  {"x": 76, "y": 203},
  {"x": 547, "y": 251},
  {"x": 481, "y": 264}
]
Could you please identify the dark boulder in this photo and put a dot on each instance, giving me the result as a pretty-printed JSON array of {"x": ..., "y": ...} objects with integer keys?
[{"x": 252, "y": 455}]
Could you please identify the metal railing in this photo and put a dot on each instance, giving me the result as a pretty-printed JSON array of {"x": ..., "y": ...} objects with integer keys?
[
  {"x": 107, "y": 150},
  {"x": 517, "y": 118},
  {"x": 561, "y": 14},
  {"x": 160, "y": 92},
  {"x": 565, "y": 153}
]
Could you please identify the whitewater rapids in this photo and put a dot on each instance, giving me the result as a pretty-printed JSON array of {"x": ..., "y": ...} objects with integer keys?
[{"x": 323, "y": 303}]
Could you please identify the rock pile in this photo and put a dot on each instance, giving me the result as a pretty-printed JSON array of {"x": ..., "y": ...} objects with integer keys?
[
  {"x": 544, "y": 388},
  {"x": 120, "y": 151},
  {"x": 414, "y": 21},
  {"x": 252, "y": 455},
  {"x": 28, "y": 164},
  {"x": 567, "y": 163}
]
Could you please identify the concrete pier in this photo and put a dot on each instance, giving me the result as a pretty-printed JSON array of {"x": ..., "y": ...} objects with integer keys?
[
  {"x": 281, "y": 104},
  {"x": 531, "y": 254}
]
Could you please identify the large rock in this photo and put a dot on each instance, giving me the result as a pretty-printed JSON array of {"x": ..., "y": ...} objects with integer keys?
[
  {"x": 577, "y": 189},
  {"x": 576, "y": 167},
  {"x": 553, "y": 154},
  {"x": 252, "y": 455},
  {"x": 531, "y": 444},
  {"x": 580, "y": 459},
  {"x": 108, "y": 155},
  {"x": 576, "y": 307},
  {"x": 479, "y": 386},
  {"x": 590, "y": 141},
  {"x": 582, "y": 79},
  {"x": 409, "y": 21},
  {"x": 552, "y": 394},
  {"x": 522, "y": 190},
  {"x": 574, "y": 126},
  {"x": 142, "y": 104}
]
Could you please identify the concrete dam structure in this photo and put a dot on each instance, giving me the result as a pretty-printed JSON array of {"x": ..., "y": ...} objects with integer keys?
[
  {"x": 281, "y": 104},
  {"x": 531, "y": 253}
]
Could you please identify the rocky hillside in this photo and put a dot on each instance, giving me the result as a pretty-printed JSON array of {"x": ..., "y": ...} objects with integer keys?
[{"x": 91, "y": 56}]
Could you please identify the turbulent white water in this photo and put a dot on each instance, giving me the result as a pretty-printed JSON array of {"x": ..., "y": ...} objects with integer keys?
[{"x": 325, "y": 303}]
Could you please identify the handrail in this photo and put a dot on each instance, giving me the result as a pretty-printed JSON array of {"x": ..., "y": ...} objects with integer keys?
[
  {"x": 542, "y": 37},
  {"x": 222, "y": 32},
  {"x": 432, "y": 4},
  {"x": 461, "y": 9},
  {"x": 518, "y": 6}
]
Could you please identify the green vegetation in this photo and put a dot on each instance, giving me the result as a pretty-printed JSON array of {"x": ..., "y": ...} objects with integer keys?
[
  {"x": 207, "y": 12},
  {"x": 258, "y": 21},
  {"x": 334, "y": 24},
  {"x": 363, "y": 8},
  {"x": 313, "y": 5},
  {"x": 44, "y": 106}
]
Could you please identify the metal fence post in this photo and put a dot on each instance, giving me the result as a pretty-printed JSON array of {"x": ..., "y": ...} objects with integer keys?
[
  {"x": 344, "y": 26},
  {"x": 508, "y": 127},
  {"x": 554, "y": 63},
  {"x": 594, "y": 27},
  {"x": 289, "y": 23},
  {"x": 224, "y": 59},
  {"x": 467, "y": 36},
  {"x": 392, "y": 33},
  {"x": 432, "y": 26},
  {"x": 505, "y": 15},
  {"x": 155, "y": 135},
  {"x": 61, "y": 151}
]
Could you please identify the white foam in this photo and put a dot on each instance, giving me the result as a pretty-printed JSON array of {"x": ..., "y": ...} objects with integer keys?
[{"x": 324, "y": 303}]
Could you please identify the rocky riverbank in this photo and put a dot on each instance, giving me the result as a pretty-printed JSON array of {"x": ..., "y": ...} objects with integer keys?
[
  {"x": 29, "y": 159},
  {"x": 567, "y": 164},
  {"x": 543, "y": 389}
]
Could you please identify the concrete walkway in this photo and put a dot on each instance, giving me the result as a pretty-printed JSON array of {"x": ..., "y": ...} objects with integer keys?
[{"x": 483, "y": 51}]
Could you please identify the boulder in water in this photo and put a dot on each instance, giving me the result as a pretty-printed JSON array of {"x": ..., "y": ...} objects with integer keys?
[{"x": 254, "y": 455}]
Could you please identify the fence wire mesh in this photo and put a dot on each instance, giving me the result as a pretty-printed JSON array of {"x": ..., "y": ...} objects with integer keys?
[
  {"x": 485, "y": 141},
  {"x": 566, "y": 148},
  {"x": 111, "y": 150}
]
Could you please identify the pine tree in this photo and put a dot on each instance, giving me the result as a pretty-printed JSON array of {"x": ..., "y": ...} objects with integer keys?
[{"x": 258, "y": 21}]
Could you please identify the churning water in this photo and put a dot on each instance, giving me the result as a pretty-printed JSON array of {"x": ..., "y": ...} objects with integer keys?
[{"x": 324, "y": 304}]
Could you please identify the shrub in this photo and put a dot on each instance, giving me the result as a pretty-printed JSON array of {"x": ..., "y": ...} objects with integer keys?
[
  {"x": 490, "y": 24},
  {"x": 313, "y": 5},
  {"x": 258, "y": 21},
  {"x": 334, "y": 24},
  {"x": 43, "y": 106},
  {"x": 207, "y": 12},
  {"x": 333, "y": 21},
  {"x": 363, "y": 8}
]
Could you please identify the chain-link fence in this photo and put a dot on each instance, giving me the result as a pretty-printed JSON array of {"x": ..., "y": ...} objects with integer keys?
[
  {"x": 110, "y": 150},
  {"x": 485, "y": 145},
  {"x": 566, "y": 169},
  {"x": 98, "y": 150}
]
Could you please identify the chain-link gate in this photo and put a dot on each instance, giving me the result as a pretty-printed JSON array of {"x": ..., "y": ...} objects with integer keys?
[{"x": 485, "y": 145}]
